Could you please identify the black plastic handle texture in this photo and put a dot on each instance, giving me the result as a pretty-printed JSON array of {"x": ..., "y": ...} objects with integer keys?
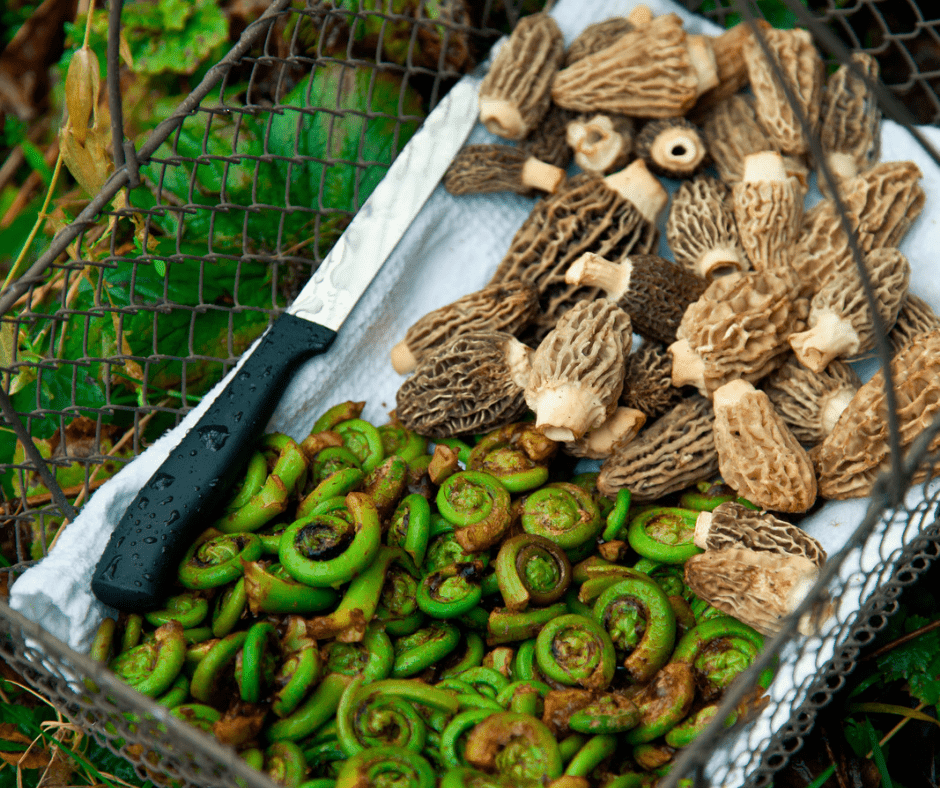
[{"x": 141, "y": 560}]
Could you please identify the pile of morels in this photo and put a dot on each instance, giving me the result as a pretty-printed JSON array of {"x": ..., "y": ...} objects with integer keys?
[{"x": 746, "y": 333}]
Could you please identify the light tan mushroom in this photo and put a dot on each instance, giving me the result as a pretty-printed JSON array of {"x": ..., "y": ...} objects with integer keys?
[
  {"x": 614, "y": 216},
  {"x": 850, "y": 120},
  {"x": 474, "y": 383},
  {"x": 596, "y": 37},
  {"x": 647, "y": 383},
  {"x": 803, "y": 70},
  {"x": 548, "y": 141},
  {"x": 673, "y": 147},
  {"x": 768, "y": 207},
  {"x": 652, "y": 290},
  {"x": 811, "y": 402},
  {"x": 487, "y": 169},
  {"x": 621, "y": 427},
  {"x": 507, "y": 306},
  {"x": 840, "y": 317},
  {"x": 731, "y": 524},
  {"x": 737, "y": 329},
  {"x": 516, "y": 92},
  {"x": 857, "y": 450},
  {"x": 675, "y": 451},
  {"x": 601, "y": 143},
  {"x": 577, "y": 371},
  {"x": 758, "y": 588},
  {"x": 915, "y": 317},
  {"x": 758, "y": 456},
  {"x": 701, "y": 229},
  {"x": 653, "y": 71}
]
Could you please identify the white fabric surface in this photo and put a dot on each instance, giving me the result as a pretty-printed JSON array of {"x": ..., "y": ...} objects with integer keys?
[{"x": 451, "y": 249}]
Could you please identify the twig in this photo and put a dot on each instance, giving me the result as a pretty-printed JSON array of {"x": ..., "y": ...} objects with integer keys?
[
  {"x": 11, "y": 165},
  {"x": 25, "y": 193},
  {"x": 901, "y": 641}
]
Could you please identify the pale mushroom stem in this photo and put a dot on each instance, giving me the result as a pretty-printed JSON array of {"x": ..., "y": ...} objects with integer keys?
[
  {"x": 702, "y": 56},
  {"x": 720, "y": 261},
  {"x": 688, "y": 367},
  {"x": 565, "y": 412},
  {"x": 764, "y": 166},
  {"x": 519, "y": 360},
  {"x": 831, "y": 337},
  {"x": 636, "y": 184},
  {"x": 843, "y": 165},
  {"x": 730, "y": 394},
  {"x": 703, "y": 525},
  {"x": 403, "y": 360},
  {"x": 641, "y": 15},
  {"x": 834, "y": 407},
  {"x": 595, "y": 143},
  {"x": 595, "y": 271},
  {"x": 502, "y": 118},
  {"x": 620, "y": 428},
  {"x": 541, "y": 175},
  {"x": 677, "y": 149}
]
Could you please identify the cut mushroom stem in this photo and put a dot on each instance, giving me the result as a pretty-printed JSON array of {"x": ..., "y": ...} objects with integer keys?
[
  {"x": 619, "y": 429},
  {"x": 834, "y": 407},
  {"x": 764, "y": 166},
  {"x": 539, "y": 175},
  {"x": 688, "y": 367},
  {"x": 599, "y": 143},
  {"x": 502, "y": 118},
  {"x": 842, "y": 165},
  {"x": 721, "y": 261},
  {"x": 673, "y": 147},
  {"x": 636, "y": 184},
  {"x": 832, "y": 337},
  {"x": 640, "y": 15},
  {"x": 564, "y": 412},
  {"x": 702, "y": 55}
]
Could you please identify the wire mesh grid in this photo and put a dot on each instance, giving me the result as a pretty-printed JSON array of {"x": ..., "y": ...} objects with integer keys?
[{"x": 209, "y": 232}]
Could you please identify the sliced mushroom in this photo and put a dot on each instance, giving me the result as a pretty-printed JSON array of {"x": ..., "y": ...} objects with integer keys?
[
  {"x": 647, "y": 383},
  {"x": 857, "y": 450},
  {"x": 803, "y": 70},
  {"x": 577, "y": 371},
  {"x": 474, "y": 383},
  {"x": 758, "y": 456},
  {"x": 701, "y": 229},
  {"x": 811, "y": 402},
  {"x": 596, "y": 37},
  {"x": 653, "y": 289},
  {"x": 731, "y": 524},
  {"x": 675, "y": 451},
  {"x": 915, "y": 317},
  {"x": 486, "y": 169},
  {"x": 758, "y": 588},
  {"x": 654, "y": 71},
  {"x": 673, "y": 147},
  {"x": 516, "y": 92},
  {"x": 840, "y": 316},
  {"x": 601, "y": 143},
  {"x": 507, "y": 306}
]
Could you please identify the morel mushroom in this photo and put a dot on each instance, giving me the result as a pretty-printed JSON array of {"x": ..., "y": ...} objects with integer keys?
[
  {"x": 596, "y": 37},
  {"x": 516, "y": 92},
  {"x": 474, "y": 383},
  {"x": 701, "y": 229},
  {"x": 486, "y": 169},
  {"x": 850, "y": 120},
  {"x": 758, "y": 456},
  {"x": 803, "y": 70},
  {"x": 548, "y": 141},
  {"x": 647, "y": 383},
  {"x": 857, "y": 450},
  {"x": 601, "y": 143},
  {"x": 653, "y": 71},
  {"x": 811, "y": 402},
  {"x": 731, "y": 66},
  {"x": 652, "y": 290},
  {"x": 731, "y": 525},
  {"x": 768, "y": 207},
  {"x": 914, "y": 317},
  {"x": 758, "y": 588},
  {"x": 621, "y": 427},
  {"x": 614, "y": 216},
  {"x": 507, "y": 306},
  {"x": 737, "y": 329},
  {"x": 577, "y": 371},
  {"x": 675, "y": 451},
  {"x": 840, "y": 317},
  {"x": 673, "y": 147}
]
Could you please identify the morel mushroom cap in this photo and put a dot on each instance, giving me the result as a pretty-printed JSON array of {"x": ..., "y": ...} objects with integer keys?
[
  {"x": 811, "y": 402},
  {"x": 548, "y": 140},
  {"x": 803, "y": 70},
  {"x": 621, "y": 427},
  {"x": 577, "y": 371},
  {"x": 756, "y": 587},
  {"x": 650, "y": 72},
  {"x": 857, "y": 450},
  {"x": 474, "y": 383},
  {"x": 701, "y": 229},
  {"x": 515, "y": 93},
  {"x": 675, "y": 451},
  {"x": 850, "y": 120},
  {"x": 673, "y": 147},
  {"x": 589, "y": 214},
  {"x": 738, "y": 328},
  {"x": 731, "y": 524},
  {"x": 887, "y": 199},
  {"x": 653, "y": 289},
  {"x": 914, "y": 317},
  {"x": 596, "y": 37},
  {"x": 507, "y": 306},
  {"x": 840, "y": 317},
  {"x": 758, "y": 456},
  {"x": 768, "y": 207},
  {"x": 601, "y": 143},
  {"x": 647, "y": 383},
  {"x": 486, "y": 169}
]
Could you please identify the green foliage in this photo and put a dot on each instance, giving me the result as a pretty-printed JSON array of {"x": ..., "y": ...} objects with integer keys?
[
  {"x": 916, "y": 662},
  {"x": 774, "y": 11}
]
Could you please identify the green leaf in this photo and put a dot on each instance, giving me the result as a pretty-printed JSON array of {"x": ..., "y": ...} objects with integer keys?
[{"x": 916, "y": 662}]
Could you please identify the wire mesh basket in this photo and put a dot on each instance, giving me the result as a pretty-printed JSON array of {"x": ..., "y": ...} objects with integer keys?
[{"x": 207, "y": 230}]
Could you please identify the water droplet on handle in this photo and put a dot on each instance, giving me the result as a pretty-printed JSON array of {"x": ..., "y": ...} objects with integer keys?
[
  {"x": 213, "y": 436},
  {"x": 161, "y": 481}
]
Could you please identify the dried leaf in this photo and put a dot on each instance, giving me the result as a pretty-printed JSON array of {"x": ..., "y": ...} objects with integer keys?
[
  {"x": 7, "y": 344},
  {"x": 89, "y": 161},
  {"x": 82, "y": 89},
  {"x": 15, "y": 749}
]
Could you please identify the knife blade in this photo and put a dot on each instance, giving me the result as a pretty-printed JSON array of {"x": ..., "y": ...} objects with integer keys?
[{"x": 141, "y": 558}]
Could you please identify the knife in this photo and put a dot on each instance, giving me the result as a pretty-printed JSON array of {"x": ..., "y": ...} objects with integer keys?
[{"x": 140, "y": 561}]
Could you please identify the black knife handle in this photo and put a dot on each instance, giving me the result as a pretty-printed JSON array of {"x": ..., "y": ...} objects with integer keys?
[{"x": 141, "y": 559}]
